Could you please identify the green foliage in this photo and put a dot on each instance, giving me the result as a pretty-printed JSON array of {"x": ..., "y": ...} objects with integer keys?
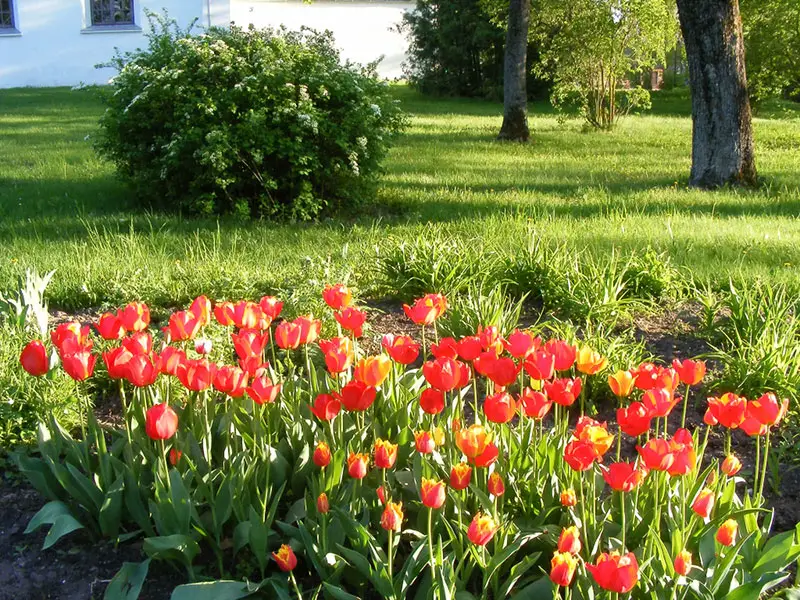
[
  {"x": 772, "y": 47},
  {"x": 593, "y": 46},
  {"x": 255, "y": 123}
]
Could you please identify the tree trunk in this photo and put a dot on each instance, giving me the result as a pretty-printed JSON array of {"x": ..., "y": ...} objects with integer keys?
[
  {"x": 515, "y": 93},
  {"x": 722, "y": 135}
]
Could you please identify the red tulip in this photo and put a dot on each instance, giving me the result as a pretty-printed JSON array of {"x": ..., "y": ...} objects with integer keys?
[
  {"x": 351, "y": 319},
  {"x": 426, "y": 309},
  {"x": 634, "y": 420},
  {"x": 271, "y": 307},
  {"x": 751, "y": 426},
  {"x": 728, "y": 410},
  {"x": 424, "y": 442},
  {"x": 70, "y": 337},
  {"x": 385, "y": 454},
  {"x": 170, "y": 360},
  {"x": 135, "y": 316},
  {"x": 487, "y": 457},
  {"x": 392, "y": 517},
  {"x": 482, "y": 529},
  {"x": 646, "y": 376},
  {"x": 381, "y": 493},
  {"x": 287, "y": 335},
  {"x": 726, "y": 534},
  {"x": 432, "y": 493},
  {"x": 231, "y": 381},
  {"x": 495, "y": 485},
  {"x": 246, "y": 314},
  {"x": 262, "y": 390},
  {"x": 668, "y": 379},
  {"x": 285, "y": 558},
  {"x": 570, "y": 540},
  {"x": 579, "y": 455},
  {"x": 520, "y": 344},
  {"x": 140, "y": 342},
  {"x": 704, "y": 503},
  {"x": 691, "y": 372},
  {"x": 469, "y": 348},
  {"x": 357, "y": 465},
  {"x": 615, "y": 572},
  {"x": 503, "y": 371},
  {"x": 563, "y": 352},
  {"x": 326, "y": 407},
  {"x": 116, "y": 361},
  {"x": 563, "y": 391},
  {"x": 196, "y": 375},
  {"x": 731, "y": 465},
  {"x": 184, "y": 325},
  {"x": 373, "y": 370},
  {"x": 249, "y": 342},
  {"x": 659, "y": 402},
  {"x": 201, "y": 308},
  {"x": 595, "y": 434},
  {"x": 500, "y": 407},
  {"x": 223, "y": 313},
  {"x": 309, "y": 328},
  {"x": 109, "y": 326},
  {"x": 446, "y": 348},
  {"x": 174, "y": 456},
  {"x": 432, "y": 401},
  {"x": 535, "y": 404},
  {"x": 401, "y": 348},
  {"x": 34, "y": 359},
  {"x": 490, "y": 339},
  {"x": 142, "y": 370},
  {"x": 683, "y": 562},
  {"x": 161, "y": 422},
  {"x": 656, "y": 454},
  {"x": 356, "y": 396},
  {"x": 79, "y": 365},
  {"x": 322, "y": 455},
  {"x": 540, "y": 365},
  {"x": 323, "y": 506},
  {"x": 484, "y": 362},
  {"x": 460, "y": 476},
  {"x": 446, "y": 374},
  {"x": 562, "y": 568},
  {"x": 767, "y": 410},
  {"x": 338, "y": 354},
  {"x": 337, "y": 296},
  {"x": 623, "y": 476}
]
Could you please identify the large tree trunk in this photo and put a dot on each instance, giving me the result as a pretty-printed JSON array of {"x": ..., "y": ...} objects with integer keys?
[
  {"x": 515, "y": 93},
  {"x": 722, "y": 136}
]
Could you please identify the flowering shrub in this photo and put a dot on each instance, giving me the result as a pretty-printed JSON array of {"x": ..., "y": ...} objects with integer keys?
[
  {"x": 260, "y": 123},
  {"x": 467, "y": 467}
]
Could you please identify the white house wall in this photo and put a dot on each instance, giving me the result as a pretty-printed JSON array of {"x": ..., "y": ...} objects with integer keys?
[
  {"x": 364, "y": 31},
  {"x": 55, "y": 47}
]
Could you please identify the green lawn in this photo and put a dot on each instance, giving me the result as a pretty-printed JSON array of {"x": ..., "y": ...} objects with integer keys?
[{"x": 62, "y": 208}]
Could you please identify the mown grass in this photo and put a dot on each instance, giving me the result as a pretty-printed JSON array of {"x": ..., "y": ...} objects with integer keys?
[{"x": 62, "y": 208}]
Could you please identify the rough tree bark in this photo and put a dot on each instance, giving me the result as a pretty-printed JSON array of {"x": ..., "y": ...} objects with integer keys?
[
  {"x": 722, "y": 133},
  {"x": 515, "y": 93}
]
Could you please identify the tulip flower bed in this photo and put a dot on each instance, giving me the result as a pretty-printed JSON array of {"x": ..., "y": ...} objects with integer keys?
[{"x": 467, "y": 469}]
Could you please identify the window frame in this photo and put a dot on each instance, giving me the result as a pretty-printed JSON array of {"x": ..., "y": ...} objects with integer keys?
[
  {"x": 12, "y": 13},
  {"x": 89, "y": 25}
]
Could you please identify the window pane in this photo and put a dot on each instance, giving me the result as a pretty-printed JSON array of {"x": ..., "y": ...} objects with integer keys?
[
  {"x": 111, "y": 12},
  {"x": 6, "y": 16}
]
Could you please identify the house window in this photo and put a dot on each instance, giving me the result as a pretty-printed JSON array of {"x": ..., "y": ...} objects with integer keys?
[
  {"x": 111, "y": 12},
  {"x": 6, "y": 14}
]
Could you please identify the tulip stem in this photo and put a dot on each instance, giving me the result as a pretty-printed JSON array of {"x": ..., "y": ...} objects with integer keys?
[
  {"x": 424, "y": 349},
  {"x": 685, "y": 404},
  {"x": 622, "y": 507},
  {"x": 166, "y": 467},
  {"x": 757, "y": 468},
  {"x": 390, "y": 554},
  {"x": 764, "y": 467},
  {"x": 430, "y": 545},
  {"x": 294, "y": 585},
  {"x": 727, "y": 442}
]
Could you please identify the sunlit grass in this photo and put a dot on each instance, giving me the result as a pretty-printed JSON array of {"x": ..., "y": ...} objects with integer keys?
[{"x": 62, "y": 208}]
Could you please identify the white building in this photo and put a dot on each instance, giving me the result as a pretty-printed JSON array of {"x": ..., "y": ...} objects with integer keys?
[{"x": 59, "y": 42}]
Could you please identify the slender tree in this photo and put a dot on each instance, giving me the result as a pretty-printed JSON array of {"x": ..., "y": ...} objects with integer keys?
[
  {"x": 722, "y": 135},
  {"x": 515, "y": 93}
]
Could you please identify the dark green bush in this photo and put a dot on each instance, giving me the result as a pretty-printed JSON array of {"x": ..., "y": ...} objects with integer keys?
[{"x": 259, "y": 123}]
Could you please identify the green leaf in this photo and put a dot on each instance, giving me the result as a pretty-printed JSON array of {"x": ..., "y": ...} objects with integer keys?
[
  {"x": 337, "y": 592},
  {"x": 181, "y": 504},
  {"x": 127, "y": 583},
  {"x": 779, "y": 552},
  {"x": 58, "y": 516},
  {"x": 111, "y": 511},
  {"x": 507, "y": 552},
  {"x": 541, "y": 588},
  {"x": 172, "y": 547},
  {"x": 212, "y": 590},
  {"x": 754, "y": 589}
]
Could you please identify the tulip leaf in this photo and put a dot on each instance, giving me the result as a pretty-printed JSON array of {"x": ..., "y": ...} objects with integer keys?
[
  {"x": 39, "y": 475},
  {"x": 541, "y": 588},
  {"x": 181, "y": 504},
  {"x": 721, "y": 571},
  {"x": 416, "y": 561},
  {"x": 241, "y": 536},
  {"x": 755, "y": 589},
  {"x": 507, "y": 552},
  {"x": 111, "y": 511},
  {"x": 337, "y": 592},
  {"x": 779, "y": 552},
  {"x": 59, "y": 517},
  {"x": 212, "y": 590},
  {"x": 127, "y": 583},
  {"x": 517, "y": 571},
  {"x": 134, "y": 506},
  {"x": 172, "y": 547}
]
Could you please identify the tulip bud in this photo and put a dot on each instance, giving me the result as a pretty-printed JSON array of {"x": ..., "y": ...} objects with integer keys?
[
  {"x": 34, "y": 359},
  {"x": 385, "y": 454},
  {"x": 424, "y": 442},
  {"x": 704, "y": 503},
  {"x": 568, "y": 498},
  {"x": 392, "y": 517},
  {"x": 285, "y": 558},
  {"x": 381, "y": 493},
  {"x": 683, "y": 562},
  {"x": 174, "y": 456},
  {"x": 202, "y": 346},
  {"x": 322, "y": 455},
  {"x": 322, "y": 504},
  {"x": 460, "y": 476},
  {"x": 570, "y": 540},
  {"x": 482, "y": 529},
  {"x": 432, "y": 493},
  {"x": 731, "y": 465},
  {"x": 161, "y": 422},
  {"x": 496, "y": 486},
  {"x": 562, "y": 568},
  {"x": 726, "y": 534},
  {"x": 357, "y": 465}
]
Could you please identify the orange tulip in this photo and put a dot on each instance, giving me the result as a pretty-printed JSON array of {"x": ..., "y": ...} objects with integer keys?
[
  {"x": 495, "y": 485},
  {"x": 337, "y": 296},
  {"x": 570, "y": 540},
  {"x": 373, "y": 370},
  {"x": 309, "y": 328},
  {"x": 691, "y": 372},
  {"x": 426, "y": 309},
  {"x": 424, "y": 442},
  {"x": 392, "y": 517},
  {"x": 246, "y": 314},
  {"x": 731, "y": 465},
  {"x": 323, "y": 506},
  {"x": 135, "y": 316},
  {"x": 322, "y": 455},
  {"x": 432, "y": 492},
  {"x": 285, "y": 558},
  {"x": 357, "y": 465},
  {"x": 287, "y": 335},
  {"x": 223, "y": 313},
  {"x": 385, "y": 454},
  {"x": 683, "y": 562},
  {"x": 562, "y": 568},
  {"x": 589, "y": 361},
  {"x": 704, "y": 503},
  {"x": 568, "y": 497},
  {"x": 482, "y": 529},
  {"x": 596, "y": 434},
  {"x": 460, "y": 476},
  {"x": 728, "y": 410},
  {"x": 726, "y": 534},
  {"x": 473, "y": 440},
  {"x": 621, "y": 383}
]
